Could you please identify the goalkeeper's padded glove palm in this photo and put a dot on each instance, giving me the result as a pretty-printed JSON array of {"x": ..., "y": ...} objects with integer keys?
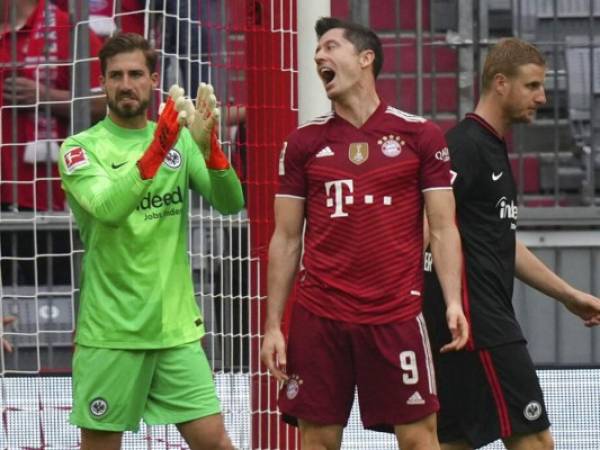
[{"x": 203, "y": 128}]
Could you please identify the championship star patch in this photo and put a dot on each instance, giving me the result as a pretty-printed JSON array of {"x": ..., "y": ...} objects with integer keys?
[
  {"x": 358, "y": 152},
  {"x": 75, "y": 158}
]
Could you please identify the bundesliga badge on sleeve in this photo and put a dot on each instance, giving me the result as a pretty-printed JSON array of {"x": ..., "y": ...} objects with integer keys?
[{"x": 75, "y": 158}]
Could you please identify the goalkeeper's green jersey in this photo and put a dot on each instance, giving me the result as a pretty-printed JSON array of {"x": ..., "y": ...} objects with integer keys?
[{"x": 136, "y": 284}]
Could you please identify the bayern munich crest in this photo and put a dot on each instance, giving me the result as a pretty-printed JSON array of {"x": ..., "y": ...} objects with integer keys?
[
  {"x": 292, "y": 387},
  {"x": 173, "y": 159},
  {"x": 391, "y": 146}
]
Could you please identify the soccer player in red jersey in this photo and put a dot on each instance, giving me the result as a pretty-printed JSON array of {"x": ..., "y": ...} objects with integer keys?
[{"x": 360, "y": 177}]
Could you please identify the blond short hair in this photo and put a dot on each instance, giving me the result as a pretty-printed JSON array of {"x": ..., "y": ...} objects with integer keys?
[{"x": 506, "y": 57}]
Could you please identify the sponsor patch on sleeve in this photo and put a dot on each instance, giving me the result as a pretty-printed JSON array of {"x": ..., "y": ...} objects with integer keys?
[
  {"x": 75, "y": 158},
  {"x": 443, "y": 155}
]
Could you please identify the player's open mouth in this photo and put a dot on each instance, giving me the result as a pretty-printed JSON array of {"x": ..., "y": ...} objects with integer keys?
[{"x": 326, "y": 74}]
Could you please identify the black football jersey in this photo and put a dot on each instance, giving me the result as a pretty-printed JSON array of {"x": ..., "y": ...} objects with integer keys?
[{"x": 486, "y": 211}]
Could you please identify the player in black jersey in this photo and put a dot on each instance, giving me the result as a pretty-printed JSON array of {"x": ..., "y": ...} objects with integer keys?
[{"x": 491, "y": 390}]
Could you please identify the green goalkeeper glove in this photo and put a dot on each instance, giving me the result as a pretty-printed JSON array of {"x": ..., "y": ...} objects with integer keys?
[
  {"x": 203, "y": 128},
  {"x": 175, "y": 112}
]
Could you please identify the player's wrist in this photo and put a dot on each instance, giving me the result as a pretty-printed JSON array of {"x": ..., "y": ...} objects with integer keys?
[
  {"x": 146, "y": 169},
  {"x": 165, "y": 135},
  {"x": 568, "y": 296},
  {"x": 272, "y": 324},
  {"x": 454, "y": 306},
  {"x": 152, "y": 158},
  {"x": 217, "y": 159}
]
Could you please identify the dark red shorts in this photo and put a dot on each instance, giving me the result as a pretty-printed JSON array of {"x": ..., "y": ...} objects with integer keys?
[{"x": 390, "y": 364}]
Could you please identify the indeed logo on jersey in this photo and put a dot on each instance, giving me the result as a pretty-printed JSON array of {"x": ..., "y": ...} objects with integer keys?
[
  {"x": 154, "y": 201},
  {"x": 508, "y": 210}
]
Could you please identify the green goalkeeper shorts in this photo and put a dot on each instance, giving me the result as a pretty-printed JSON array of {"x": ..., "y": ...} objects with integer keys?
[{"x": 113, "y": 389}]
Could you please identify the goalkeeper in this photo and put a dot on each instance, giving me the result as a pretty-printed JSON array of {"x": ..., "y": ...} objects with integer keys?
[{"x": 127, "y": 182}]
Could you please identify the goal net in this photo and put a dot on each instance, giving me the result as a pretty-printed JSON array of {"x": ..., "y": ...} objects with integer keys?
[{"x": 243, "y": 48}]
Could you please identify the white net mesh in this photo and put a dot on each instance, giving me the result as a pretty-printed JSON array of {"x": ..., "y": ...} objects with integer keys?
[{"x": 41, "y": 250}]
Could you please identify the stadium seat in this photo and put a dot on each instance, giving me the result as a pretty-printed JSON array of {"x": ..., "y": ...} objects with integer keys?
[
  {"x": 386, "y": 13},
  {"x": 529, "y": 167},
  {"x": 400, "y": 56},
  {"x": 580, "y": 97},
  {"x": 402, "y": 93},
  {"x": 44, "y": 329}
]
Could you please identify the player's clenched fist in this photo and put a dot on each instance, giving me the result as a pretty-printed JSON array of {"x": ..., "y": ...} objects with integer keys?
[{"x": 175, "y": 112}]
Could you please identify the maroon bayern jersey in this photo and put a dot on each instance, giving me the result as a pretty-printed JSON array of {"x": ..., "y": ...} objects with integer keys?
[{"x": 363, "y": 243}]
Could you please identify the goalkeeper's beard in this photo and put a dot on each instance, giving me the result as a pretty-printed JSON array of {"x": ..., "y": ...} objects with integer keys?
[{"x": 128, "y": 112}]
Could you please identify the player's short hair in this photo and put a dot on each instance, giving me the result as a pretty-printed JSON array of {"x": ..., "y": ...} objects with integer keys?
[
  {"x": 125, "y": 43},
  {"x": 506, "y": 57},
  {"x": 361, "y": 37}
]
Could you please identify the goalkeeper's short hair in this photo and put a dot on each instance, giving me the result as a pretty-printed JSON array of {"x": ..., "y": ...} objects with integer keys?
[{"x": 125, "y": 43}]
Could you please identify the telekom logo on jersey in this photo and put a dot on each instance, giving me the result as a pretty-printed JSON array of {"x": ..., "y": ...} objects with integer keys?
[{"x": 339, "y": 193}]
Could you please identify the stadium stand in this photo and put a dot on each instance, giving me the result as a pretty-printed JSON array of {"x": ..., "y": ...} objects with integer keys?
[{"x": 565, "y": 35}]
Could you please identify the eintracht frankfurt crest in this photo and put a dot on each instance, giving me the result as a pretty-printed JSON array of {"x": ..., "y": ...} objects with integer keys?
[
  {"x": 98, "y": 407},
  {"x": 173, "y": 159},
  {"x": 391, "y": 145},
  {"x": 532, "y": 411},
  {"x": 358, "y": 152}
]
